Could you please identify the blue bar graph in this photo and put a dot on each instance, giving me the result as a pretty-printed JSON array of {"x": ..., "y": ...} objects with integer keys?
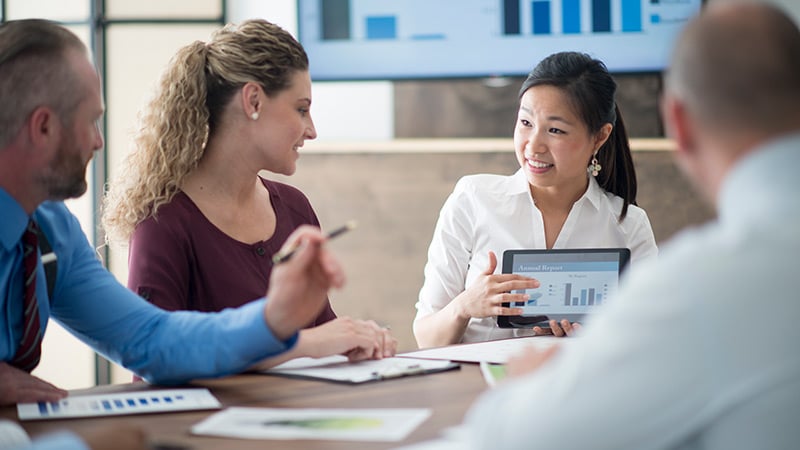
[
  {"x": 335, "y": 19},
  {"x": 601, "y": 16},
  {"x": 591, "y": 296},
  {"x": 511, "y": 17},
  {"x": 571, "y": 16},
  {"x": 583, "y": 297},
  {"x": 631, "y": 15},
  {"x": 541, "y": 16},
  {"x": 382, "y": 27}
]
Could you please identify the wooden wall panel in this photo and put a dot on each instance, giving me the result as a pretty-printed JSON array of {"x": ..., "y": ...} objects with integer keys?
[{"x": 488, "y": 107}]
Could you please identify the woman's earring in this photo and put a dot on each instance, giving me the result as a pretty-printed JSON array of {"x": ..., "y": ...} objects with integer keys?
[
  {"x": 594, "y": 167},
  {"x": 254, "y": 116}
]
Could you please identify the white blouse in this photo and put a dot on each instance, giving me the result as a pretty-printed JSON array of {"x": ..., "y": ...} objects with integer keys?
[{"x": 497, "y": 213}]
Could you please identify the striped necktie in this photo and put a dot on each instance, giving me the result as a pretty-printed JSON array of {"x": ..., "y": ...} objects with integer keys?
[{"x": 30, "y": 347}]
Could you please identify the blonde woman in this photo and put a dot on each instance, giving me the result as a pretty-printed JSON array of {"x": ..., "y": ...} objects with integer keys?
[{"x": 202, "y": 224}]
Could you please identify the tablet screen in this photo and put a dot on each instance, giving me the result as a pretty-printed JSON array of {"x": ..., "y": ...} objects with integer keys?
[{"x": 573, "y": 281}]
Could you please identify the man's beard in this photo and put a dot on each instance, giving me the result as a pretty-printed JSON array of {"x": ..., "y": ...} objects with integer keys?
[{"x": 66, "y": 176}]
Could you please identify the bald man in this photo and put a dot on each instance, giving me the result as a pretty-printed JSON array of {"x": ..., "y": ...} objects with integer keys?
[{"x": 699, "y": 349}]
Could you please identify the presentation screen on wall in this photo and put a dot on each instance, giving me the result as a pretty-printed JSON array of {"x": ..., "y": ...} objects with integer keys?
[{"x": 415, "y": 39}]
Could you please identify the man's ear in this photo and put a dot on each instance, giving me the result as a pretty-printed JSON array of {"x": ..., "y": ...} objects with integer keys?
[
  {"x": 42, "y": 127},
  {"x": 678, "y": 124}
]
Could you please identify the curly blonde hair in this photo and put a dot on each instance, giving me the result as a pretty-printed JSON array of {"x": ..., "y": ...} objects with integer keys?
[{"x": 186, "y": 109}]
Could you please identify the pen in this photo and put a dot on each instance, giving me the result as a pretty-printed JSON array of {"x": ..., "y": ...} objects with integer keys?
[
  {"x": 397, "y": 372},
  {"x": 284, "y": 255}
]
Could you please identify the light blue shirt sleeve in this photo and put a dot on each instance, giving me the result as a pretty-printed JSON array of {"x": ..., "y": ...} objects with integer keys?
[
  {"x": 62, "y": 440},
  {"x": 162, "y": 347}
]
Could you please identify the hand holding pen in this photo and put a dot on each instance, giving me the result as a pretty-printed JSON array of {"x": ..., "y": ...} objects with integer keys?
[
  {"x": 299, "y": 285},
  {"x": 288, "y": 250}
]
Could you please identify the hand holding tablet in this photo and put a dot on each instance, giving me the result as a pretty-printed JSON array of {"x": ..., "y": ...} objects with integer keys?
[{"x": 572, "y": 283}]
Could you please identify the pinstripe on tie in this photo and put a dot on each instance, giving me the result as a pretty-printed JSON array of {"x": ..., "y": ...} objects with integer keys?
[{"x": 30, "y": 347}]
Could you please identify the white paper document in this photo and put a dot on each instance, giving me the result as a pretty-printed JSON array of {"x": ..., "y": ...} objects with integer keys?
[
  {"x": 139, "y": 402},
  {"x": 338, "y": 368},
  {"x": 490, "y": 351},
  {"x": 386, "y": 425}
]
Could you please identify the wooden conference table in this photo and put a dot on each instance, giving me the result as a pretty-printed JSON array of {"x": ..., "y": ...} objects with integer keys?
[{"x": 447, "y": 394}]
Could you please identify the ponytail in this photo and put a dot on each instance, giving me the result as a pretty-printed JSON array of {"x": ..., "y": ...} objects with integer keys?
[
  {"x": 168, "y": 145},
  {"x": 618, "y": 175}
]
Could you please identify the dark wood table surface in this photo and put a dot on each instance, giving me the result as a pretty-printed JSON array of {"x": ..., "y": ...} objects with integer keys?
[{"x": 447, "y": 394}]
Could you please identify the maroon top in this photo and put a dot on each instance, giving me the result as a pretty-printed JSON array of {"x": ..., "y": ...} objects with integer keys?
[{"x": 182, "y": 261}]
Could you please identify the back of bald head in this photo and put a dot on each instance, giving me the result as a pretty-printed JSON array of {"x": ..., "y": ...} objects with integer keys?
[{"x": 737, "y": 67}]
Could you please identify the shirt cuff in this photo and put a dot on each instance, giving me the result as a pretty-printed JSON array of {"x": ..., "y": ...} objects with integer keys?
[
  {"x": 62, "y": 440},
  {"x": 262, "y": 332}
]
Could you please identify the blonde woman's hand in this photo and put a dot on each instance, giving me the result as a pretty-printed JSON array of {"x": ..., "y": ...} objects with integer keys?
[
  {"x": 357, "y": 339},
  {"x": 485, "y": 296}
]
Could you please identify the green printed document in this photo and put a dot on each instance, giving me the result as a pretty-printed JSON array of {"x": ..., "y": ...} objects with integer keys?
[
  {"x": 493, "y": 373},
  {"x": 387, "y": 425}
]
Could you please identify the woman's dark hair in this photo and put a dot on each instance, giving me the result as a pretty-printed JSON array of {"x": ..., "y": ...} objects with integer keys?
[{"x": 590, "y": 89}]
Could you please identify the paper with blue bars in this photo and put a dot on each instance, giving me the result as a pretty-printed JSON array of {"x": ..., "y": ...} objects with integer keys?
[{"x": 140, "y": 402}]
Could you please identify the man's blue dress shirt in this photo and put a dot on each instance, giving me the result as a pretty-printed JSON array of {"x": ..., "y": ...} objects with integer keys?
[{"x": 88, "y": 301}]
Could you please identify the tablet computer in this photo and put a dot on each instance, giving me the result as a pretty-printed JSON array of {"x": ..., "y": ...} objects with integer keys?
[{"x": 573, "y": 282}]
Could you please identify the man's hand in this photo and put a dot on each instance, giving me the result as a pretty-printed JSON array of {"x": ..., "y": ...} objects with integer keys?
[
  {"x": 18, "y": 386},
  {"x": 485, "y": 296},
  {"x": 529, "y": 360},
  {"x": 299, "y": 287}
]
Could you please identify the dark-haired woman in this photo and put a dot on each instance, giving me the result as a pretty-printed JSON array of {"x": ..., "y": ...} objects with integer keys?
[{"x": 576, "y": 188}]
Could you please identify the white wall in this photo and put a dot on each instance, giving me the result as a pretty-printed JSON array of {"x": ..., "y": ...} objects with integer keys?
[{"x": 341, "y": 110}]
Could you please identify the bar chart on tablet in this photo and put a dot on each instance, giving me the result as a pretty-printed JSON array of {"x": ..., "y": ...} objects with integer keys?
[{"x": 573, "y": 286}]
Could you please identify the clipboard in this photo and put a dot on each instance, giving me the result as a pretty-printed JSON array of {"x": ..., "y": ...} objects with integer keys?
[{"x": 338, "y": 369}]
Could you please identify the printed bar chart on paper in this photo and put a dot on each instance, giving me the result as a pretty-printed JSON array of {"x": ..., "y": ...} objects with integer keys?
[{"x": 142, "y": 402}]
